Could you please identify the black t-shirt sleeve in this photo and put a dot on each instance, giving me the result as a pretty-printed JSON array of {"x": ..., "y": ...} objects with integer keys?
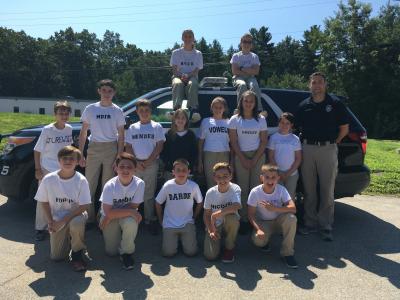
[{"x": 342, "y": 115}]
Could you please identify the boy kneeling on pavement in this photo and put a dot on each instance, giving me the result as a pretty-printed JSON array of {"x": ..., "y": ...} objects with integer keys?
[
  {"x": 65, "y": 197},
  {"x": 271, "y": 210}
]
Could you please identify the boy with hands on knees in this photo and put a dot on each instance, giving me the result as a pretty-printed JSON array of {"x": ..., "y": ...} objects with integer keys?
[
  {"x": 271, "y": 210},
  {"x": 221, "y": 206},
  {"x": 177, "y": 221},
  {"x": 120, "y": 218},
  {"x": 65, "y": 197}
]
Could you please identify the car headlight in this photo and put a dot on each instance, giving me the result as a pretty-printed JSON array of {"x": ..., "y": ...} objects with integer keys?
[{"x": 15, "y": 141}]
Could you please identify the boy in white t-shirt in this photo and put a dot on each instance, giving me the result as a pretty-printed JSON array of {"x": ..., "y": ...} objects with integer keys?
[
  {"x": 145, "y": 140},
  {"x": 120, "y": 218},
  {"x": 284, "y": 150},
  {"x": 221, "y": 215},
  {"x": 106, "y": 121},
  {"x": 271, "y": 210},
  {"x": 178, "y": 194},
  {"x": 53, "y": 137},
  {"x": 65, "y": 198},
  {"x": 245, "y": 66},
  {"x": 186, "y": 62}
]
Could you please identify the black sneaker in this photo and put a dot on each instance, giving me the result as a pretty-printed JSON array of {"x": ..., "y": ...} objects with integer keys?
[
  {"x": 290, "y": 262},
  {"x": 127, "y": 261},
  {"x": 244, "y": 228},
  {"x": 327, "y": 235},
  {"x": 153, "y": 227},
  {"x": 78, "y": 264},
  {"x": 266, "y": 248},
  {"x": 40, "y": 235}
]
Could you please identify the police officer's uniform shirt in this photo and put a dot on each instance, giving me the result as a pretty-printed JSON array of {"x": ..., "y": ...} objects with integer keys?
[
  {"x": 103, "y": 121},
  {"x": 50, "y": 142},
  {"x": 248, "y": 131},
  {"x": 144, "y": 137},
  {"x": 215, "y": 135},
  {"x": 285, "y": 146},
  {"x": 178, "y": 202},
  {"x": 321, "y": 121},
  {"x": 245, "y": 60},
  {"x": 187, "y": 61},
  {"x": 118, "y": 195},
  {"x": 63, "y": 195},
  {"x": 216, "y": 200},
  {"x": 279, "y": 198}
]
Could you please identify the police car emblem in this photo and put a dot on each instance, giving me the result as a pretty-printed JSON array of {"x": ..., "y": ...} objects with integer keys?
[{"x": 328, "y": 108}]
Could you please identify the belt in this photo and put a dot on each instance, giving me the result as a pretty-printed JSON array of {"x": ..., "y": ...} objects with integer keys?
[{"x": 318, "y": 143}]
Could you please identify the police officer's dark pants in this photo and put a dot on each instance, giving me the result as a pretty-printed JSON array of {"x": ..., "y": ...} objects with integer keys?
[{"x": 319, "y": 164}]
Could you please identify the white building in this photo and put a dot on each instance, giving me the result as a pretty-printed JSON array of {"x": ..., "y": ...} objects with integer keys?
[{"x": 43, "y": 106}]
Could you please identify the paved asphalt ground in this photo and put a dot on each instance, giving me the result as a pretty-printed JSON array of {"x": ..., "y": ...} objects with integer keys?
[{"x": 363, "y": 262}]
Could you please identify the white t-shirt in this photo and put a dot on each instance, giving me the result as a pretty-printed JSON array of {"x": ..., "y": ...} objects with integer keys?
[
  {"x": 118, "y": 195},
  {"x": 245, "y": 60},
  {"x": 279, "y": 198},
  {"x": 144, "y": 137},
  {"x": 248, "y": 131},
  {"x": 179, "y": 202},
  {"x": 285, "y": 147},
  {"x": 103, "y": 121},
  {"x": 186, "y": 61},
  {"x": 216, "y": 200},
  {"x": 215, "y": 135},
  {"x": 63, "y": 195},
  {"x": 52, "y": 140}
]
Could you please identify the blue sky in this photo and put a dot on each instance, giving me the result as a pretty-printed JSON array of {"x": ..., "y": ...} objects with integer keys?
[{"x": 157, "y": 25}]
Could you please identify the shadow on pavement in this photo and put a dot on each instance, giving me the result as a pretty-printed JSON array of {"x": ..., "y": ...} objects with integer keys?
[{"x": 360, "y": 238}]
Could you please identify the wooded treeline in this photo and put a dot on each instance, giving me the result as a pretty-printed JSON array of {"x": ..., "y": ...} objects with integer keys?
[{"x": 359, "y": 52}]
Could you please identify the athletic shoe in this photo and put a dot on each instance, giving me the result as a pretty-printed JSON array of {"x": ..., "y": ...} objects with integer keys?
[
  {"x": 290, "y": 262},
  {"x": 327, "y": 235},
  {"x": 40, "y": 235},
  {"x": 78, "y": 264},
  {"x": 266, "y": 248},
  {"x": 127, "y": 261},
  {"x": 305, "y": 230},
  {"x": 228, "y": 256},
  {"x": 194, "y": 115},
  {"x": 263, "y": 113}
]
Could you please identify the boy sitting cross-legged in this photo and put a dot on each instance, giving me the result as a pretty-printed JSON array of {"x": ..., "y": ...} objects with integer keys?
[
  {"x": 221, "y": 216},
  {"x": 65, "y": 197},
  {"x": 178, "y": 195},
  {"x": 271, "y": 210},
  {"x": 120, "y": 219}
]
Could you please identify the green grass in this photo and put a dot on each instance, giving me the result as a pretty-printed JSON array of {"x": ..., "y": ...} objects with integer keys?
[
  {"x": 384, "y": 162},
  {"x": 382, "y": 158}
]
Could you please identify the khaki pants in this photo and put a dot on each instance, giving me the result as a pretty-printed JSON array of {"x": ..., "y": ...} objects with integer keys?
[
  {"x": 209, "y": 160},
  {"x": 319, "y": 164},
  {"x": 40, "y": 217},
  {"x": 243, "y": 84},
  {"x": 291, "y": 184},
  {"x": 149, "y": 176},
  {"x": 187, "y": 235},
  {"x": 247, "y": 179},
  {"x": 100, "y": 158},
  {"x": 285, "y": 224},
  {"x": 229, "y": 228},
  {"x": 119, "y": 236},
  {"x": 190, "y": 90},
  {"x": 72, "y": 236}
]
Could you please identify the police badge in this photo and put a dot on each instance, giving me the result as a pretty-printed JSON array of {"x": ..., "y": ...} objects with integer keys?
[{"x": 328, "y": 108}]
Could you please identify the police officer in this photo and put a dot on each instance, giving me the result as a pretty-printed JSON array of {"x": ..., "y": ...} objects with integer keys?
[{"x": 323, "y": 123}]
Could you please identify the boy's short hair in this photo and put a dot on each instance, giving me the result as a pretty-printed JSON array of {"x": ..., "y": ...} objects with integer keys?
[
  {"x": 181, "y": 161},
  {"x": 317, "y": 74},
  {"x": 246, "y": 36},
  {"x": 269, "y": 168},
  {"x": 221, "y": 166},
  {"x": 126, "y": 156},
  {"x": 62, "y": 104},
  {"x": 288, "y": 116},
  {"x": 106, "y": 82},
  {"x": 69, "y": 150},
  {"x": 143, "y": 103}
]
